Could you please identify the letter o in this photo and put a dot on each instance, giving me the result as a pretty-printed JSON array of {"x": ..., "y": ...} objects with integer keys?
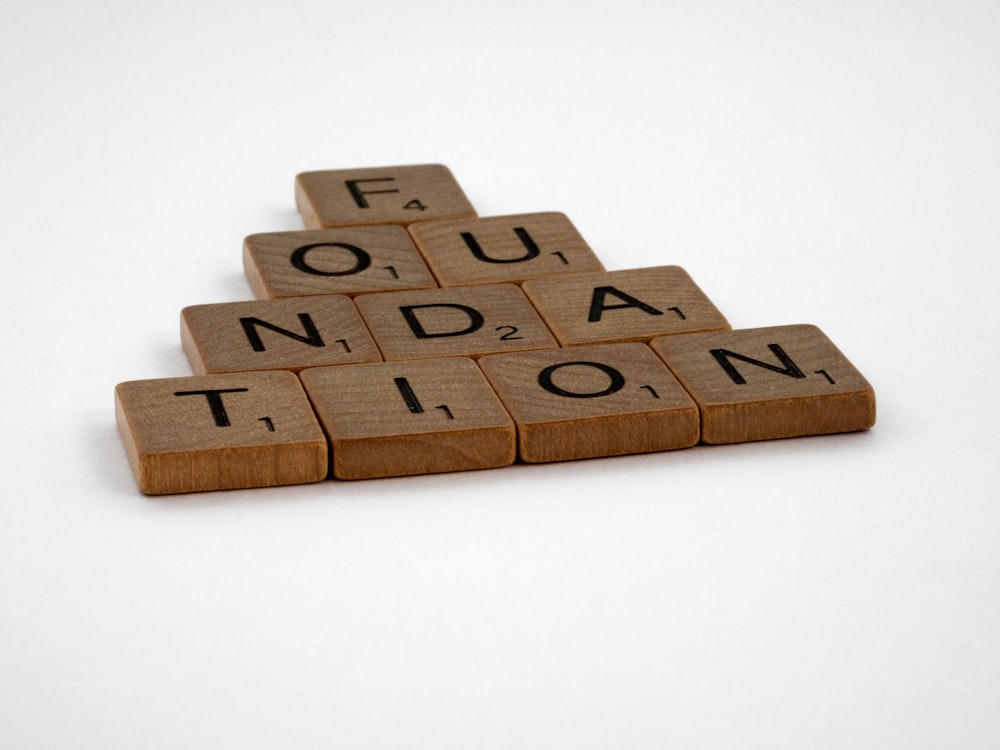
[
  {"x": 616, "y": 384},
  {"x": 299, "y": 259}
]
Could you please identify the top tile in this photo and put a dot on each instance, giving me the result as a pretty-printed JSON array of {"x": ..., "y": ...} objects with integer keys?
[{"x": 380, "y": 195}]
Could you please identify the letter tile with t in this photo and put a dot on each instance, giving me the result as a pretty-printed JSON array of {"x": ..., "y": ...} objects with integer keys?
[{"x": 220, "y": 432}]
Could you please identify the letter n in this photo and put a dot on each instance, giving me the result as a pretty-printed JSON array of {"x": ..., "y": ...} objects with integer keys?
[
  {"x": 311, "y": 336},
  {"x": 790, "y": 369}
]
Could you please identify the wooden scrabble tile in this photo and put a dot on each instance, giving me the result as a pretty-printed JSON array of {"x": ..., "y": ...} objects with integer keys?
[
  {"x": 220, "y": 432},
  {"x": 763, "y": 383},
  {"x": 415, "y": 417},
  {"x": 379, "y": 195},
  {"x": 592, "y": 401},
  {"x": 503, "y": 248},
  {"x": 347, "y": 261},
  {"x": 455, "y": 322},
  {"x": 633, "y": 305},
  {"x": 279, "y": 334}
]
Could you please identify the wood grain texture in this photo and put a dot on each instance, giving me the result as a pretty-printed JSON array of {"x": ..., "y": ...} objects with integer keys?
[
  {"x": 415, "y": 417},
  {"x": 219, "y": 432},
  {"x": 458, "y": 321},
  {"x": 764, "y": 383},
  {"x": 592, "y": 401},
  {"x": 281, "y": 334},
  {"x": 499, "y": 249},
  {"x": 380, "y": 195},
  {"x": 632, "y": 305},
  {"x": 347, "y": 261}
]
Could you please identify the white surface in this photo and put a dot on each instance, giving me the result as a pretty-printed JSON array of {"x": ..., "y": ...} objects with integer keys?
[{"x": 831, "y": 163}]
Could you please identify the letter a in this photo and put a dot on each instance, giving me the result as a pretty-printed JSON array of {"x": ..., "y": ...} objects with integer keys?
[{"x": 597, "y": 306}]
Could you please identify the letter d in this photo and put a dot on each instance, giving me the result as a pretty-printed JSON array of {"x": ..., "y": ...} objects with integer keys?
[{"x": 475, "y": 320}]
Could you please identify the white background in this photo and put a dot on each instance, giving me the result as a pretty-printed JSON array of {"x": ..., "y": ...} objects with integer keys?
[{"x": 834, "y": 163}]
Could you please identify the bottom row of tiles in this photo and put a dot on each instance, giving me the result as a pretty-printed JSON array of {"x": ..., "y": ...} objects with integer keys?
[{"x": 266, "y": 428}]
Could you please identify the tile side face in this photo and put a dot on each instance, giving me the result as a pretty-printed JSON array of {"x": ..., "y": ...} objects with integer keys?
[
  {"x": 380, "y": 195},
  {"x": 766, "y": 383}
]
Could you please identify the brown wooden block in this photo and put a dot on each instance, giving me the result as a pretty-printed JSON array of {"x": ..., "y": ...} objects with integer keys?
[
  {"x": 763, "y": 383},
  {"x": 220, "y": 432},
  {"x": 348, "y": 261},
  {"x": 592, "y": 401},
  {"x": 416, "y": 417},
  {"x": 279, "y": 334},
  {"x": 633, "y": 305},
  {"x": 503, "y": 248},
  {"x": 379, "y": 195},
  {"x": 455, "y": 322}
]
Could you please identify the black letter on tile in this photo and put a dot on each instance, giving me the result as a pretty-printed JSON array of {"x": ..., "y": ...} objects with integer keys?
[
  {"x": 790, "y": 369},
  {"x": 522, "y": 234},
  {"x": 475, "y": 320},
  {"x": 215, "y": 402},
  {"x": 359, "y": 195},
  {"x": 597, "y": 305},
  {"x": 311, "y": 336},
  {"x": 406, "y": 391},
  {"x": 363, "y": 259},
  {"x": 616, "y": 384}
]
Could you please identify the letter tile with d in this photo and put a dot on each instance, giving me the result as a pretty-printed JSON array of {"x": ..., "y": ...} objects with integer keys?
[{"x": 454, "y": 322}]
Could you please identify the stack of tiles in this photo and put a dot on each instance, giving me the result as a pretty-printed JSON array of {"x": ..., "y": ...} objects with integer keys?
[{"x": 401, "y": 334}]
